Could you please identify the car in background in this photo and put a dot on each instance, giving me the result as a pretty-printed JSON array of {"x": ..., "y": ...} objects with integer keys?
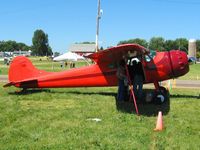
[{"x": 192, "y": 60}]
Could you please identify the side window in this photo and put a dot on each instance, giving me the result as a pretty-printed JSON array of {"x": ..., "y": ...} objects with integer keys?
[
  {"x": 147, "y": 58},
  {"x": 150, "y": 56}
]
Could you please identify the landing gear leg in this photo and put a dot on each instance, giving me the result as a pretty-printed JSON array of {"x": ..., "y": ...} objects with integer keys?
[{"x": 161, "y": 94}]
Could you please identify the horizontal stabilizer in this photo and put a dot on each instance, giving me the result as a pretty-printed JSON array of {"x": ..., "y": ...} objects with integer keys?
[
  {"x": 23, "y": 84},
  {"x": 9, "y": 84}
]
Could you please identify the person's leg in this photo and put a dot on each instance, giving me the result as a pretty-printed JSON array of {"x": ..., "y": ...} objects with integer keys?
[
  {"x": 126, "y": 93},
  {"x": 135, "y": 85},
  {"x": 140, "y": 87},
  {"x": 120, "y": 95}
]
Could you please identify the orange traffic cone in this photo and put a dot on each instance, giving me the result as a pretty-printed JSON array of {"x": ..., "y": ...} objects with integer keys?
[{"x": 159, "y": 124}]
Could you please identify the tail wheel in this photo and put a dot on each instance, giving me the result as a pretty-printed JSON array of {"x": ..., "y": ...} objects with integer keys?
[{"x": 161, "y": 96}]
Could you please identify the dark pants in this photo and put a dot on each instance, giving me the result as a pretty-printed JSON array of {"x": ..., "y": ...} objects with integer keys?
[
  {"x": 138, "y": 85},
  {"x": 122, "y": 91}
]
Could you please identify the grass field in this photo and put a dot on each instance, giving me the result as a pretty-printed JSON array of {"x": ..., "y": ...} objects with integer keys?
[
  {"x": 62, "y": 119},
  {"x": 193, "y": 74}
]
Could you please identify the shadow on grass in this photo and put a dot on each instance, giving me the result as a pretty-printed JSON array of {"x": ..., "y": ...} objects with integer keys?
[
  {"x": 150, "y": 109},
  {"x": 94, "y": 93},
  {"x": 29, "y": 91},
  {"x": 145, "y": 109},
  {"x": 33, "y": 91}
]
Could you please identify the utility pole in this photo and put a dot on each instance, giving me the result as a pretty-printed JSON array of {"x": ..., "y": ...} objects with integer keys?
[{"x": 98, "y": 18}]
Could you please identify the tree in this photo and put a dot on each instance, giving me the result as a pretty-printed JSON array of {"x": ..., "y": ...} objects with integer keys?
[
  {"x": 169, "y": 45},
  {"x": 198, "y": 55},
  {"x": 101, "y": 48},
  {"x": 23, "y": 47},
  {"x": 182, "y": 44},
  {"x": 40, "y": 43},
  {"x": 56, "y": 54},
  {"x": 198, "y": 48},
  {"x": 198, "y": 45},
  {"x": 157, "y": 43},
  {"x": 10, "y": 46},
  {"x": 139, "y": 41}
]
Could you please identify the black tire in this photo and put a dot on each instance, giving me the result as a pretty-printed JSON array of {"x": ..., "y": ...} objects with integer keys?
[{"x": 161, "y": 96}]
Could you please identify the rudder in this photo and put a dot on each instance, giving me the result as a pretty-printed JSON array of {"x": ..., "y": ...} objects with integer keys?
[{"x": 22, "y": 69}]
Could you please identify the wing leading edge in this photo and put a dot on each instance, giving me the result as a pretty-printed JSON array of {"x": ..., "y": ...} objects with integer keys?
[{"x": 117, "y": 53}]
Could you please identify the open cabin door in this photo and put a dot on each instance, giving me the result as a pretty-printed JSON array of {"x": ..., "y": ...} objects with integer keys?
[{"x": 136, "y": 66}]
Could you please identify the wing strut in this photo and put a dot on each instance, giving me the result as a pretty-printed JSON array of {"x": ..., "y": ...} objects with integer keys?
[{"x": 131, "y": 88}]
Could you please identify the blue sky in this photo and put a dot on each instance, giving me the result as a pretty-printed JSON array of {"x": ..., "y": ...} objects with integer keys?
[{"x": 70, "y": 21}]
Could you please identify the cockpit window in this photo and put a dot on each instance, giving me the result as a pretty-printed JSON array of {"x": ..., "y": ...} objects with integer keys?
[{"x": 150, "y": 56}]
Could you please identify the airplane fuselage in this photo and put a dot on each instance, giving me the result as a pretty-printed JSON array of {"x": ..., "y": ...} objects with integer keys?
[{"x": 163, "y": 66}]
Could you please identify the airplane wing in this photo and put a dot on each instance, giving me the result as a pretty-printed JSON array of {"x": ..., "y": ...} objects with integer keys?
[{"x": 117, "y": 53}]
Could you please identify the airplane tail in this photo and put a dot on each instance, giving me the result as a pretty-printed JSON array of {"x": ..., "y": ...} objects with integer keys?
[{"x": 22, "y": 71}]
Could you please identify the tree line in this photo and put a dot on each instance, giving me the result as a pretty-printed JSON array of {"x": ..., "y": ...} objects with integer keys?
[
  {"x": 40, "y": 45},
  {"x": 160, "y": 44},
  {"x": 10, "y": 46}
]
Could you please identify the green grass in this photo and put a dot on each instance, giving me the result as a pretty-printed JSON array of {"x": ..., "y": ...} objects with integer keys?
[
  {"x": 60, "y": 119},
  {"x": 3, "y": 69},
  {"x": 193, "y": 74}
]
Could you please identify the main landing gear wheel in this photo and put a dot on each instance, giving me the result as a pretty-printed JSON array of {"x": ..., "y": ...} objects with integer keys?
[{"x": 161, "y": 96}]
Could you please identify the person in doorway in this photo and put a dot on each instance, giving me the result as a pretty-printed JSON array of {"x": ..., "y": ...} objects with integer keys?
[
  {"x": 138, "y": 80},
  {"x": 122, "y": 81}
]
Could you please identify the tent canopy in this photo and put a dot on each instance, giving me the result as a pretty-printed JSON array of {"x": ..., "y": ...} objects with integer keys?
[{"x": 69, "y": 56}]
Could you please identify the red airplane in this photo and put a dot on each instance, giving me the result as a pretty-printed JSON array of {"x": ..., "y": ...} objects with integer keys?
[{"x": 156, "y": 67}]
